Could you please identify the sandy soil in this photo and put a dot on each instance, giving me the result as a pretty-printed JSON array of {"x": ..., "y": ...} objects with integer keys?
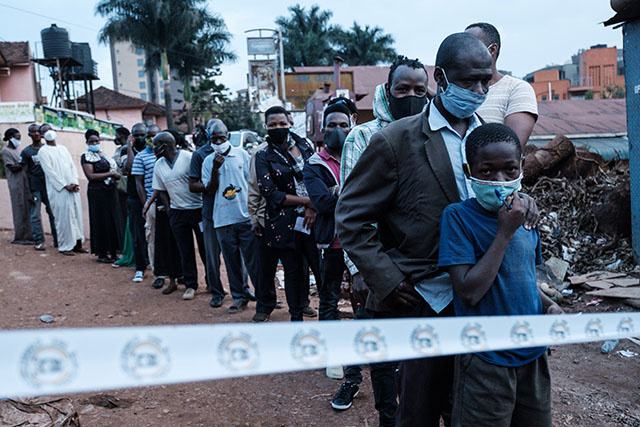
[{"x": 589, "y": 388}]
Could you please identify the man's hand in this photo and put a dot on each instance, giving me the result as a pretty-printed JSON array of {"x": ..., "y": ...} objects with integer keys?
[
  {"x": 257, "y": 229},
  {"x": 145, "y": 209},
  {"x": 130, "y": 141},
  {"x": 218, "y": 160},
  {"x": 554, "y": 309},
  {"x": 533, "y": 214},
  {"x": 359, "y": 289},
  {"x": 404, "y": 295},
  {"x": 115, "y": 175},
  {"x": 510, "y": 220},
  {"x": 309, "y": 218},
  {"x": 71, "y": 188}
]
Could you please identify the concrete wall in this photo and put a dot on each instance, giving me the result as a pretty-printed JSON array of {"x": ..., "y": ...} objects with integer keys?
[
  {"x": 129, "y": 117},
  {"x": 20, "y": 86},
  {"x": 76, "y": 145}
]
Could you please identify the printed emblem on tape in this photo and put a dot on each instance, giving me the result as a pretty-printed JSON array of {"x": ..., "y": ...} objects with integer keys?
[
  {"x": 308, "y": 347},
  {"x": 559, "y": 330},
  {"x": 145, "y": 358},
  {"x": 370, "y": 344},
  {"x": 593, "y": 328},
  {"x": 48, "y": 364},
  {"x": 521, "y": 333},
  {"x": 625, "y": 326},
  {"x": 472, "y": 337},
  {"x": 424, "y": 340},
  {"x": 238, "y": 352}
]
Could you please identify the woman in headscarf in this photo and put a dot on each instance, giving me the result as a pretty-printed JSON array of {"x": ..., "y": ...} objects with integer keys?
[
  {"x": 105, "y": 219},
  {"x": 18, "y": 188}
]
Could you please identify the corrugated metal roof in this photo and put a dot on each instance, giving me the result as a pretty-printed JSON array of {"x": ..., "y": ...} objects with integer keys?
[{"x": 581, "y": 117}]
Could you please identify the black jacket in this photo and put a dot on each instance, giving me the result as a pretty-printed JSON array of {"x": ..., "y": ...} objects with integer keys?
[
  {"x": 275, "y": 181},
  {"x": 318, "y": 178}
]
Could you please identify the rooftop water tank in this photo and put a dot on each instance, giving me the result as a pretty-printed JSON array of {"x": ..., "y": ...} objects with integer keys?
[
  {"x": 55, "y": 42},
  {"x": 81, "y": 52}
]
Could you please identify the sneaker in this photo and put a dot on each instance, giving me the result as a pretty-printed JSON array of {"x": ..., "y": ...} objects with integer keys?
[
  {"x": 158, "y": 283},
  {"x": 279, "y": 305},
  {"x": 138, "y": 277},
  {"x": 216, "y": 302},
  {"x": 190, "y": 293},
  {"x": 39, "y": 247},
  {"x": 237, "y": 307},
  {"x": 344, "y": 396},
  {"x": 335, "y": 372},
  {"x": 260, "y": 317},
  {"x": 309, "y": 312}
]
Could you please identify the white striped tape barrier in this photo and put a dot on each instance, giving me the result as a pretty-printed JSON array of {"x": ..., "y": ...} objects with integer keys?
[{"x": 53, "y": 361}]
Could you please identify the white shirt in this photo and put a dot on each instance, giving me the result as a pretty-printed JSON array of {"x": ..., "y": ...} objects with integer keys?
[
  {"x": 508, "y": 96},
  {"x": 174, "y": 179}
]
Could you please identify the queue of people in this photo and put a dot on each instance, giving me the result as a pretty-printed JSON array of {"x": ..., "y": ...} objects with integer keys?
[{"x": 419, "y": 208}]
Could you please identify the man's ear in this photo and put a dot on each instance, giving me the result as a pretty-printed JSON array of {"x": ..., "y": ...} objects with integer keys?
[
  {"x": 438, "y": 76},
  {"x": 493, "y": 50},
  {"x": 467, "y": 170}
]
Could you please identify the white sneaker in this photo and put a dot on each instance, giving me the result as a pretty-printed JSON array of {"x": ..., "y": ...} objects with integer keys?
[
  {"x": 190, "y": 293},
  {"x": 335, "y": 372},
  {"x": 138, "y": 277}
]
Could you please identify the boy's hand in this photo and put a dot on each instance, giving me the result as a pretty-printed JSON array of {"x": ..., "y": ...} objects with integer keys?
[
  {"x": 510, "y": 220},
  {"x": 533, "y": 214}
]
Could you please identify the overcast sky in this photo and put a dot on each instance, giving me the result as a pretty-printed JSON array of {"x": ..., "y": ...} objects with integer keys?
[{"x": 534, "y": 33}]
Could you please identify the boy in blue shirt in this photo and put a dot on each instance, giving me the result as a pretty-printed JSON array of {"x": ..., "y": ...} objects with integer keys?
[{"x": 492, "y": 261}]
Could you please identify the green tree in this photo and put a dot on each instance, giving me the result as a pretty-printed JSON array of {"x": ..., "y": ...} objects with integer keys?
[
  {"x": 180, "y": 35},
  {"x": 307, "y": 36},
  {"x": 365, "y": 46},
  {"x": 237, "y": 114},
  {"x": 207, "y": 98},
  {"x": 588, "y": 94},
  {"x": 613, "y": 91}
]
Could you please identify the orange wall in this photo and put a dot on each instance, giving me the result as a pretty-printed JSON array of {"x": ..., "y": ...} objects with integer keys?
[
  {"x": 558, "y": 87},
  {"x": 129, "y": 117},
  {"x": 546, "y": 76},
  {"x": 20, "y": 86},
  {"x": 599, "y": 68}
]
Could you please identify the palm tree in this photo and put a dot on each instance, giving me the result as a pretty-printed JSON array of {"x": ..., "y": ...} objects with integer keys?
[
  {"x": 180, "y": 35},
  {"x": 365, "y": 46},
  {"x": 307, "y": 36}
]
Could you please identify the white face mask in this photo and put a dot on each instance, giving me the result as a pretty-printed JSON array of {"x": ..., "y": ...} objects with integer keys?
[
  {"x": 15, "y": 142},
  {"x": 50, "y": 135},
  {"x": 221, "y": 148}
]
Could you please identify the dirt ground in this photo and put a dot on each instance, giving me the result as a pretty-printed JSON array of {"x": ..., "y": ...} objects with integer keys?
[{"x": 589, "y": 388}]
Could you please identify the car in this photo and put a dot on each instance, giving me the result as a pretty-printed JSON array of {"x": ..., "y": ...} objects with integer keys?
[{"x": 244, "y": 138}]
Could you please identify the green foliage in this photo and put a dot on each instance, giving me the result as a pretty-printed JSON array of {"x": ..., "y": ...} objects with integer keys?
[
  {"x": 236, "y": 114},
  {"x": 365, "y": 46},
  {"x": 613, "y": 91},
  {"x": 309, "y": 39},
  {"x": 588, "y": 94}
]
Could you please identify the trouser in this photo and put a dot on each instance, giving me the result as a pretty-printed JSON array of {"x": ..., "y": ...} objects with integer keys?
[
  {"x": 136, "y": 226},
  {"x": 353, "y": 373},
  {"x": 184, "y": 223},
  {"x": 424, "y": 385},
  {"x": 329, "y": 287},
  {"x": 212, "y": 264},
  {"x": 40, "y": 197},
  {"x": 294, "y": 286},
  {"x": 238, "y": 244},
  {"x": 306, "y": 245},
  {"x": 265, "y": 288},
  {"x": 501, "y": 396},
  {"x": 150, "y": 234}
]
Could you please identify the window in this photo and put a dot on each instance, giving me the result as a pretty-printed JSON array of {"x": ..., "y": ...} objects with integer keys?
[
  {"x": 139, "y": 51},
  {"x": 117, "y": 50},
  {"x": 140, "y": 73},
  {"x": 161, "y": 83},
  {"x": 556, "y": 96},
  {"x": 120, "y": 84},
  {"x": 162, "y": 95},
  {"x": 118, "y": 62},
  {"x": 544, "y": 97},
  {"x": 143, "y": 96},
  {"x": 140, "y": 62},
  {"x": 119, "y": 74},
  {"x": 143, "y": 85}
]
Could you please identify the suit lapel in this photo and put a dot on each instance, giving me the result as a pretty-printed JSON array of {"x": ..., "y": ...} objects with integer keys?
[{"x": 438, "y": 158}]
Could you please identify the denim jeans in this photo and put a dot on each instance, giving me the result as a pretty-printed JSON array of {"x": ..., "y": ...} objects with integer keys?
[
  {"x": 40, "y": 197},
  {"x": 212, "y": 249},
  {"x": 238, "y": 243},
  {"x": 136, "y": 227}
]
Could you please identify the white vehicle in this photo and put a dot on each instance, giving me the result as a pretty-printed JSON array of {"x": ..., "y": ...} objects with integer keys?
[{"x": 246, "y": 139}]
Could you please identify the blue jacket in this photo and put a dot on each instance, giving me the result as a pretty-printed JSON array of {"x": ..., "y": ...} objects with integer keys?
[{"x": 319, "y": 178}]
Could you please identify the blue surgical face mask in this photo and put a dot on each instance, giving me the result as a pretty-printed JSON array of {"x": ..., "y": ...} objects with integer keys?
[
  {"x": 15, "y": 142},
  {"x": 460, "y": 102},
  {"x": 95, "y": 148},
  {"x": 486, "y": 192}
]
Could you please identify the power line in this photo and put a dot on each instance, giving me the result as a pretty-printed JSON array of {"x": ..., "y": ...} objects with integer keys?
[{"x": 46, "y": 16}]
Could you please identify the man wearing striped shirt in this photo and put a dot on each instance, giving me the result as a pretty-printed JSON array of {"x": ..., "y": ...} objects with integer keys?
[{"x": 510, "y": 101}]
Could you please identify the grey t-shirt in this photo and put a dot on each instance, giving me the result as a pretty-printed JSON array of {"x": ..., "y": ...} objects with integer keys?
[
  {"x": 174, "y": 179},
  {"x": 195, "y": 172}
]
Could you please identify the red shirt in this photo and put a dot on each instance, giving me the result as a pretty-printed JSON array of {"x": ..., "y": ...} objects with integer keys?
[{"x": 334, "y": 165}]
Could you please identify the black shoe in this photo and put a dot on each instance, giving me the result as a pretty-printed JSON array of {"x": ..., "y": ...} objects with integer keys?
[
  {"x": 158, "y": 283},
  {"x": 344, "y": 396},
  {"x": 309, "y": 312},
  {"x": 237, "y": 307},
  {"x": 216, "y": 302},
  {"x": 260, "y": 317},
  {"x": 251, "y": 296}
]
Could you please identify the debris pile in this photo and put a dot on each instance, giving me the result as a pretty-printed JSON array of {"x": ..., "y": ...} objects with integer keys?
[{"x": 585, "y": 207}]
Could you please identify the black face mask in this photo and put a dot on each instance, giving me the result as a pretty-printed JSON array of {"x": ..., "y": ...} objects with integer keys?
[
  {"x": 278, "y": 136},
  {"x": 407, "y": 106},
  {"x": 335, "y": 139},
  {"x": 140, "y": 141}
]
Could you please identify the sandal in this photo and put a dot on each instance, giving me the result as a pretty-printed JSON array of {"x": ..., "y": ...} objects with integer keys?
[
  {"x": 39, "y": 247},
  {"x": 173, "y": 286},
  {"x": 68, "y": 253}
]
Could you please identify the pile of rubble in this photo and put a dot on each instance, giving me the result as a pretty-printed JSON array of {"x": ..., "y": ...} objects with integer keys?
[{"x": 585, "y": 208}]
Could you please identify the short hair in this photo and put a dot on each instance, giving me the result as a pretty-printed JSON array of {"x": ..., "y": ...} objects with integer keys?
[
  {"x": 138, "y": 125},
  {"x": 123, "y": 131},
  {"x": 490, "y": 134},
  {"x": 43, "y": 125},
  {"x": 91, "y": 132},
  {"x": 348, "y": 102},
  {"x": 490, "y": 32},
  {"x": 453, "y": 46},
  {"x": 8, "y": 134},
  {"x": 275, "y": 110},
  {"x": 403, "y": 60},
  {"x": 153, "y": 126},
  {"x": 337, "y": 107},
  {"x": 181, "y": 141},
  {"x": 34, "y": 126}
]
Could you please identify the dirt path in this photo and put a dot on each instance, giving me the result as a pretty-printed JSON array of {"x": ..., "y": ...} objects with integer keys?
[{"x": 589, "y": 388}]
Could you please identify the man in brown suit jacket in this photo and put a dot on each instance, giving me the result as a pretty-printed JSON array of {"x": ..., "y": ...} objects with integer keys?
[{"x": 388, "y": 215}]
